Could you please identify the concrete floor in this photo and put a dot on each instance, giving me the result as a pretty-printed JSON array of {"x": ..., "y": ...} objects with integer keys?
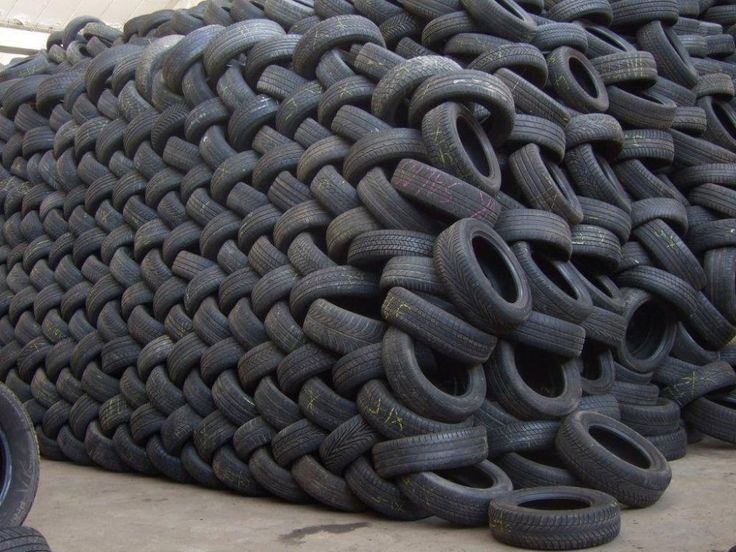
[{"x": 88, "y": 510}]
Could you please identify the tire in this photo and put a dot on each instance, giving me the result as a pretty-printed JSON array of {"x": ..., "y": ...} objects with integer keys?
[
  {"x": 326, "y": 487},
  {"x": 401, "y": 81},
  {"x": 627, "y": 67},
  {"x": 612, "y": 458},
  {"x": 516, "y": 382},
  {"x": 641, "y": 110},
  {"x": 659, "y": 419},
  {"x": 430, "y": 452},
  {"x": 521, "y": 437},
  {"x": 673, "y": 61},
  {"x": 503, "y": 18},
  {"x": 576, "y": 81},
  {"x": 547, "y": 232},
  {"x": 699, "y": 382},
  {"x": 644, "y": 356},
  {"x": 532, "y": 100},
  {"x": 524, "y": 59},
  {"x": 388, "y": 207},
  {"x": 593, "y": 519},
  {"x": 385, "y": 414},
  {"x": 442, "y": 331},
  {"x": 379, "y": 494},
  {"x": 22, "y": 539},
  {"x": 714, "y": 417},
  {"x": 442, "y": 193},
  {"x": 536, "y": 469},
  {"x": 467, "y": 86},
  {"x": 410, "y": 383},
  {"x": 489, "y": 299},
  {"x": 460, "y": 496},
  {"x": 597, "y": 11},
  {"x": 555, "y": 35},
  {"x": 341, "y": 30},
  {"x": 673, "y": 446},
  {"x": 544, "y": 185},
  {"x": 382, "y": 148},
  {"x": 340, "y": 330},
  {"x": 20, "y": 460}
]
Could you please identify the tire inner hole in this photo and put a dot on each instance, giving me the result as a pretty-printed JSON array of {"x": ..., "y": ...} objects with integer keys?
[
  {"x": 620, "y": 446},
  {"x": 473, "y": 146},
  {"x": 555, "y": 504},
  {"x": 470, "y": 477},
  {"x": 676, "y": 45},
  {"x": 444, "y": 373},
  {"x": 597, "y": 283},
  {"x": 540, "y": 371},
  {"x": 552, "y": 272},
  {"x": 583, "y": 77},
  {"x": 646, "y": 330},
  {"x": 495, "y": 269},
  {"x": 604, "y": 36},
  {"x": 592, "y": 366},
  {"x": 727, "y": 120},
  {"x": 358, "y": 305},
  {"x": 561, "y": 182}
]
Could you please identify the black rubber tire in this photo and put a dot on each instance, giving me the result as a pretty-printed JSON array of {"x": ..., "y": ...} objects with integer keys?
[
  {"x": 643, "y": 355},
  {"x": 391, "y": 418},
  {"x": 524, "y": 59},
  {"x": 614, "y": 459},
  {"x": 486, "y": 298},
  {"x": 22, "y": 539},
  {"x": 467, "y": 86},
  {"x": 714, "y": 417},
  {"x": 673, "y": 60},
  {"x": 504, "y": 18},
  {"x": 430, "y": 452},
  {"x": 379, "y": 494},
  {"x": 20, "y": 460},
  {"x": 442, "y": 193},
  {"x": 511, "y": 378},
  {"x": 442, "y": 331},
  {"x": 582, "y": 518},
  {"x": 532, "y": 100},
  {"x": 469, "y": 156},
  {"x": 341, "y": 30},
  {"x": 536, "y": 469},
  {"x": 576, "y": 81},
  {"x": 460, "y": 496},
  {"x": 544, "y": 185},
  {"x": 650, "y": 420},
  {"x": 673, "y": 446},
  {"x": 411, "y": 384}
]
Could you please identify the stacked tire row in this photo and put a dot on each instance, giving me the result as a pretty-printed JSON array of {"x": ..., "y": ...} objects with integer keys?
[{"x": 397, "y": 257}]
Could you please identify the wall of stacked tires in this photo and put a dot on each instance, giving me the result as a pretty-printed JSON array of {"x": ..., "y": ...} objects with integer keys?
[{"x": 399, "y": 256}]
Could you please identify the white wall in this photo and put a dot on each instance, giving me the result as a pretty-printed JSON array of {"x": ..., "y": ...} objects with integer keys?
[{"x": 54, "y": 14}]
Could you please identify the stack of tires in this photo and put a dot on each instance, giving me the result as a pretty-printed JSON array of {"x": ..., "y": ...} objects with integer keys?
[{"x": 405, "y": 256}]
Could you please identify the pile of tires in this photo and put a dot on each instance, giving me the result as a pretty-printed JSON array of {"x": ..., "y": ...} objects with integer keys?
[{"x": 400, "y": 256}]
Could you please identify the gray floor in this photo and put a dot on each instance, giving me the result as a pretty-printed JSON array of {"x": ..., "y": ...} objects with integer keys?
[{"x": 88, "y": 510}]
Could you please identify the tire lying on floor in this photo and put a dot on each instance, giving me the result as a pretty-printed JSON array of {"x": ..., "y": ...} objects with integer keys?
[
  {"x": 555, "y": 518},
  {"x": 22, "y": 539},
  {"x": 19, "y": 461}
]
